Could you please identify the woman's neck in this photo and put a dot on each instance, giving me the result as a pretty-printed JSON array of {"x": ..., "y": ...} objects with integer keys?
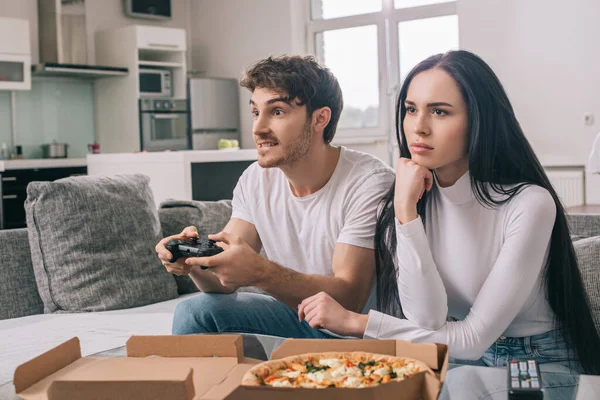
[{"x": 450, "y": 173}]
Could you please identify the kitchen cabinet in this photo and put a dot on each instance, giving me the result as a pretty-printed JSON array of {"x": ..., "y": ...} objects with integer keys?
[
  {"x": 169, "y": 39},
  {"x": 15, "y": 54},
  {"x": 117, "y": 100},
  {"x": 13, "y": 191}
]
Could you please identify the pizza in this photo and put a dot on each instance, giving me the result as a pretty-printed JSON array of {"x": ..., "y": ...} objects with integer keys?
[{"x": 333, "y": 369}]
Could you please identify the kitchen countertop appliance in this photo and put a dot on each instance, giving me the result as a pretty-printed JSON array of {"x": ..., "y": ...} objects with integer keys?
[
  {"x": 54, "y": 150},
  {"x": 164, "y": 124}
]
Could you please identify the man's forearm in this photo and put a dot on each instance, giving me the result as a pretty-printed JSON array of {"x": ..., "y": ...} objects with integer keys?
[
  {"x": 291, "y": 287},
  {"x": 207, "y": 282}
]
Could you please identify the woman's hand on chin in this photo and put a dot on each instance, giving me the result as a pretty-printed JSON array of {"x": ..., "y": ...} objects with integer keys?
[
  {"x": 412, "y": 180},
  {"x": 321, "y": 311}
]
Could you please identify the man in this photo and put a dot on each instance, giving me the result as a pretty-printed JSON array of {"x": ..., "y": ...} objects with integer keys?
[{"x": 310, "y": 205}]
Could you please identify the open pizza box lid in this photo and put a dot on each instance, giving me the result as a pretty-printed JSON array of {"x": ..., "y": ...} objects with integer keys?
[
  {"x": 156, "y": 367},
  {"x": 421, "y": 386}
]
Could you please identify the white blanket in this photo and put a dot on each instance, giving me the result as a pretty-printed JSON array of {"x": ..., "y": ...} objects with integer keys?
[{"x": 22, "y": 339}]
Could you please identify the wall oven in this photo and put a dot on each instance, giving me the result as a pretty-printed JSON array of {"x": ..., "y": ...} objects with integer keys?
[{"x": 164, "y": 124}]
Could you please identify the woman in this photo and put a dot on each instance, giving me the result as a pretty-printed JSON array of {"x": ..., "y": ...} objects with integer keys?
[{"x": 472, "y": 229}]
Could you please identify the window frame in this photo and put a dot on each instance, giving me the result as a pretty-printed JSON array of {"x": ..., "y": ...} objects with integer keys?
[{"x": 387, "y": 21}]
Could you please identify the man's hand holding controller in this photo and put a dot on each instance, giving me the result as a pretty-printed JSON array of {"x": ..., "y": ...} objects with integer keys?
[
  {"x": 178, "y": 267},
  {"x": 186, "y": 254}
]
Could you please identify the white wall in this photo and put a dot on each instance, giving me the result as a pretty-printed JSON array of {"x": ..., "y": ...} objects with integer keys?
[
  {"x": 109, "y": 14},
  {"x": 545, "y": 52},
  {"x": 542, "y": 50},
  {"x": 100, "y": 15},
  {"x": 229, "y": 35}
]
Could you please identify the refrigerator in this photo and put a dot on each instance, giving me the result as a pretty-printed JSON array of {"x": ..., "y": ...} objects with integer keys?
[{"x": 214, "y": 111}]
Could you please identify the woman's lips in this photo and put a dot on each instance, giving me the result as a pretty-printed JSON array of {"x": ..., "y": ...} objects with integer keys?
[{"x": 420, "y": 148}]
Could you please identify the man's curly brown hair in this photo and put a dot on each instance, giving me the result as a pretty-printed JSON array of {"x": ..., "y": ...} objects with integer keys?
[{"x": 302, "y": 79}]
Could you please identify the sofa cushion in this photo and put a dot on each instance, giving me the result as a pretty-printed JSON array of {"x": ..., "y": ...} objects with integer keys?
[
  {"x": 206, "y": 216},
  {"x": 92, "y": 243},
  {"x": 18, "y": 291},
  {"x": 588, "y": 257}
]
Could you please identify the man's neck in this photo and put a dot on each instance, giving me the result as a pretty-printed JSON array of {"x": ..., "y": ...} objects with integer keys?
[{"x": 310, "y": 174}]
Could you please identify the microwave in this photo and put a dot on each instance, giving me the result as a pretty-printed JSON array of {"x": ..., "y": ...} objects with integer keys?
[{"x": 155, "y": 83}]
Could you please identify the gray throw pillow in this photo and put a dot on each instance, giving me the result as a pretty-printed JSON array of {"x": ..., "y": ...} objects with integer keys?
[
  {"x": 588, "y": 257},
  {"x": 206, "y": 216},
  {"x": 92, "y": 242}
]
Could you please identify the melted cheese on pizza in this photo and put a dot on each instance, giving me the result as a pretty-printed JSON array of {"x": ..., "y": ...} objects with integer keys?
[{"x": 334, "y": 372}]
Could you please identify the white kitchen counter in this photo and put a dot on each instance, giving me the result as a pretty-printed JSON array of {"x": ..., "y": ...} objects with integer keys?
[
  {"x": 42, "y": 163},
  {"x": 187, "y": 156},
  {"x": 169, "y": 171}
]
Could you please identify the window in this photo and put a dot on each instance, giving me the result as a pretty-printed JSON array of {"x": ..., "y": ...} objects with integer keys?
[
  {"x": 370, "y": 45},
  {"x": 420, "y": 38},
  {"x": 355, "y": 47},
  {"x": 328, "y": 9}
]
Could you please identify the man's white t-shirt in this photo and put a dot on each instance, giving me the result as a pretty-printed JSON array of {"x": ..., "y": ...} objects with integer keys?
[{"x": 301, "y": 232}]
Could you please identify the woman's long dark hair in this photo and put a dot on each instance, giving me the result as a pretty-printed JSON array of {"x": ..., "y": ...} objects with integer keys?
[{"x": 499, "y": 155}]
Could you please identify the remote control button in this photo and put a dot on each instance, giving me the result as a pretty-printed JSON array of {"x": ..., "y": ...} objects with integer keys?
[
  {"x": 523, "y": 366},
  {"x": 525, "y": 384},
  {"x": 515, "y": 383}
]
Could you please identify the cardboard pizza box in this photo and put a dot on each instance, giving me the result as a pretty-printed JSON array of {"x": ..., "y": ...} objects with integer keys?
[
  {"x": 421, "y": 386},
  {"x": 156, "y": 367},
  {"x": 206, "y": 367}
]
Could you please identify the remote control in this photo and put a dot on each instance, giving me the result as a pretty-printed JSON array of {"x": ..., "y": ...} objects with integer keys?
[
  {"x": 192, "y": 247},
  {"x": 524, "y": 380}
]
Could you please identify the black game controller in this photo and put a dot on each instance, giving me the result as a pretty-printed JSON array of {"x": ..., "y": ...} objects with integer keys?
[{"x": 192, "y": 247}]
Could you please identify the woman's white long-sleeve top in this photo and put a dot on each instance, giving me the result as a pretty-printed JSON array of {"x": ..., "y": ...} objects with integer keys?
[{"x": 480, "y": 265}]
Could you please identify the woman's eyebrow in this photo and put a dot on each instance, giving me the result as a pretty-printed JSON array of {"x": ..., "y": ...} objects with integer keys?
[{"x": 435, "y": 104}]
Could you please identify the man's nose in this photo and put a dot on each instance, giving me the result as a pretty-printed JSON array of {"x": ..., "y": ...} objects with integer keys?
[{"x": 260, "y": 125}]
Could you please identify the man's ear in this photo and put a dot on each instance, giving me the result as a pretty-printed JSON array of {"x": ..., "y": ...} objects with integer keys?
[{"x": 320, "y": 119}]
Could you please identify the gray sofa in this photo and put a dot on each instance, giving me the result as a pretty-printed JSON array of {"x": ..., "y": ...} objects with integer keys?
[
  {"x": 19, "y": 296},
  {"x": 26, "y": 330},
  {"x": 41, "y": 307}
]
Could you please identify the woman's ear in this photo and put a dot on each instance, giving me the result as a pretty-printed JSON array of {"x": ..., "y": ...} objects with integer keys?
[{"x": 321, "y": 118}]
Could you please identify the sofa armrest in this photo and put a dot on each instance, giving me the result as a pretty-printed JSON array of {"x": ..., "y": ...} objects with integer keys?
[
  {"x": 18, "y": 289},
  {"x": 584, "y": 225}
]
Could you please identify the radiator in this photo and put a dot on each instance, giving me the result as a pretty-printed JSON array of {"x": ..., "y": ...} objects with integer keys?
[{"x": 569, "y": 185}]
